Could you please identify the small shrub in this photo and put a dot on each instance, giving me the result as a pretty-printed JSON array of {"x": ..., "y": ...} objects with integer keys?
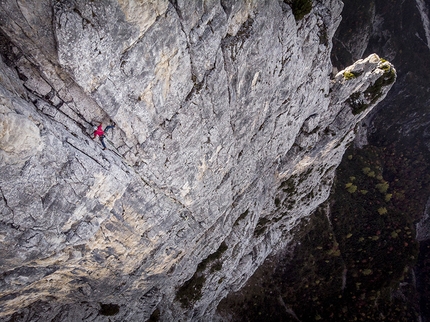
[
  {"x": 382, "y": 187},
  {"x": 382, "y": 211},
  {"x": 366, "y": 170},
  {"x": 385, "y": 67},
  {"x": 349, "y": 75},
  {"x": 371, "y": 174},
  {"x": 334, "y": 252},
  {"x": 367, "y": 272},
  {"x": 352, "y": 189}
]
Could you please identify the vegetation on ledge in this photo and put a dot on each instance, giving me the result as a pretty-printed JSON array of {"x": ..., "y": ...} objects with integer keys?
[
  {"x": 349, "y": 75},
  {"x": 191, "y": 290},
  {"x": 361, "y": 101},
  {"x": 300, "y": 8}
]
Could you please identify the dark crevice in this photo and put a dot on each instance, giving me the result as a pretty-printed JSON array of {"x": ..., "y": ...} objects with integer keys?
[
  {"x": 175, "y": 5},
  {"x": 109, "y": 309},
  {"x": 95, "y": 160},
  {"x": 235, "y": 43},
  {"x": 58, "y": 108},
  {"x": 198, "y": 85},
  {"x": 6, "y": 51}
]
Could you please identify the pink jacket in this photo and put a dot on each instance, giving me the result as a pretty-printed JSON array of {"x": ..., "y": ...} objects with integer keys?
[{"x": 99, "y": 131}]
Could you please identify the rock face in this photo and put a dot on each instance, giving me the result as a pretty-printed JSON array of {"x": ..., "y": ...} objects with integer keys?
[{"x": 228, "y": 131}]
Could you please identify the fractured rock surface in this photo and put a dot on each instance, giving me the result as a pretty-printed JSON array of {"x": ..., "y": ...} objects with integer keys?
[{"x": 228, "y": 131}]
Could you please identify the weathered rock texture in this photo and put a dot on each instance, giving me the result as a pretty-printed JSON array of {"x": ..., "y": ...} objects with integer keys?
[{"x": 228, "y": 131}]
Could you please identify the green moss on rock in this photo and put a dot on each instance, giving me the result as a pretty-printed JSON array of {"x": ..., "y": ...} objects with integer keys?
[
  {"x": 358, "y": 101},
  {"x": 212, "y": 257},
  {"x": 374, "y": 92},
  {"x": 349, "y": 75},
  {"x": 191, "y": 290},
  {"x": 300, "y": 8}
]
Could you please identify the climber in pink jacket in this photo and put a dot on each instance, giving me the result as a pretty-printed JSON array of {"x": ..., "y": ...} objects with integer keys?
[{"x": 101, "y": 134}]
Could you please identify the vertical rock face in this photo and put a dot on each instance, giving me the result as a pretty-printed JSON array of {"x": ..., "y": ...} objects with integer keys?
[{"x": 228, "y": 130}]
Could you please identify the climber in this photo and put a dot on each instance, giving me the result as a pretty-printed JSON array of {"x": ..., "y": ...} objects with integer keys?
[{"x": 101, "y": 134}]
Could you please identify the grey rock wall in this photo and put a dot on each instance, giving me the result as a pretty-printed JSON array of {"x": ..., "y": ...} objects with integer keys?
[{"x": 228, "y": 129}]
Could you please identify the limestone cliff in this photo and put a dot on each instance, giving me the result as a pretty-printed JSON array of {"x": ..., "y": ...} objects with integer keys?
[{"x": 229, "y": 127}]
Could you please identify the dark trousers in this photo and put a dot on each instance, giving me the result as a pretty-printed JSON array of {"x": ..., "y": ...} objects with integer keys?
[
  {"x": 109, "y": 127},
  {"x": 102, "y": 136}
]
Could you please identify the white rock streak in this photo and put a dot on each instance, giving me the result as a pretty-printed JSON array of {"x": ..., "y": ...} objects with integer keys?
[{"x": 425, "y": 19}]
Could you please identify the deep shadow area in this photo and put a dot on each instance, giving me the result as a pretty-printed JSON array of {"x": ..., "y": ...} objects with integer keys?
[
  {"x": 353, "y": 263},
  {"x": 360, "y": 261},
  {"x": 109, "y": 309}
]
